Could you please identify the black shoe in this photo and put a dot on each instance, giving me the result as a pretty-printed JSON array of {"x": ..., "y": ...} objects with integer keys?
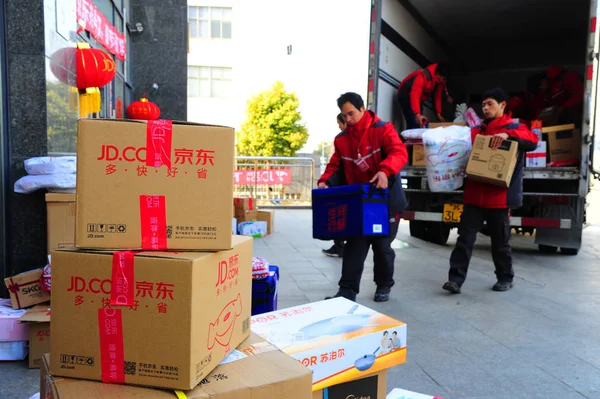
[
  {"x": 382, "y": 294},
  {"x": 502, "y": 286},
  {"x": 344, "y": 294},
  {"x": 452, "y": 287},
  {"x": 334, "y": 252}
]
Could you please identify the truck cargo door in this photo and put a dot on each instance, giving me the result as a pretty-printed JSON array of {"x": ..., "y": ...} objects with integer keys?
[{"x": 591, "y": 105}]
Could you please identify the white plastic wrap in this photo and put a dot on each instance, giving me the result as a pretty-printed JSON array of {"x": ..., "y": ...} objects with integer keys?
[
  {"x": 30, "y": 183},
  {"x": 472, "y": 118},
  {"x": 413, "y": 134},
  {"x": 447, "y": 151},
  {"x": 51, "y": 165}
]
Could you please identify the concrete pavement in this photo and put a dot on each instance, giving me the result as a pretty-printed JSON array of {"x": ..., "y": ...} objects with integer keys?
[{"x": 540, "y": 340}]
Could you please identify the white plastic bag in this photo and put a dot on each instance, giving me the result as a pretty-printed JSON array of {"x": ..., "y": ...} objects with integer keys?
[
  {"x": 30, "y": 183},
  {"x": 51, "y": 165},
  {"x": 413, "y": 134},
  {"x": 472, "y": 118},
  {"x": 447, "y": 151}
]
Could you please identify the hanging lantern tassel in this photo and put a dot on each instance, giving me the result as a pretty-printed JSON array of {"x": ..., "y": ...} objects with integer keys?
[
  {"x": 73, "y": 99},
  {"x": 90, "y": 101}
]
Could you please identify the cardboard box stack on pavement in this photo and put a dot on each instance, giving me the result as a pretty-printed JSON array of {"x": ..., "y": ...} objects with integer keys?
[
  {"x": 254, "y": 370},
  {"x": 339, "y": 340}
]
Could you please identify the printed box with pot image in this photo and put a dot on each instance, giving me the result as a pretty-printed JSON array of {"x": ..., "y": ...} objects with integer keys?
[
  {"x": 494, "y": 166},
  {"x": 339, "y": 340}
]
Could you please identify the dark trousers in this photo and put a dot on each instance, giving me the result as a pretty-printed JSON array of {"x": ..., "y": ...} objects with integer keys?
[
  {"x": 355, "y": 253},
  {"x": 339, "y": 244},
  {"x": 471, "y": 222},
  {"x": 409, "y": 116}
]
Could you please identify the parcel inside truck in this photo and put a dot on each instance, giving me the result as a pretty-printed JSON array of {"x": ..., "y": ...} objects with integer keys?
[{"x": 490, "y": 44}]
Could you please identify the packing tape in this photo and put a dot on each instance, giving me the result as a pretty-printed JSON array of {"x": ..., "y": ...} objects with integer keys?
[
  {"x": 180, "y": 395},
  {"x": 123, "y": 279},
  {"x": 153, "y": 219},
  {"x": 159, "y": 140},
  {"x": 112, "y": 355}
]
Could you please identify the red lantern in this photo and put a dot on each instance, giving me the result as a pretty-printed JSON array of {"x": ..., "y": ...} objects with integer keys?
[
  {"x": 143, "y": 109},
  {"x": 85, "y": 68}
]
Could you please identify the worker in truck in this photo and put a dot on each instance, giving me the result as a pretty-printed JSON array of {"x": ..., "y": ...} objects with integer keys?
[
  {"x": 491, "y": 204},
  {"x": 419, "y": 86},
  {"x": 368, "y": 151},
  {"x": 337, "y": 249},
  {"x": 565, "y": 91}
]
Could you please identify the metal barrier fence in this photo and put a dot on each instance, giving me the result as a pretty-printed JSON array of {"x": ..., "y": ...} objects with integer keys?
[{"x": 275, "y": 181}]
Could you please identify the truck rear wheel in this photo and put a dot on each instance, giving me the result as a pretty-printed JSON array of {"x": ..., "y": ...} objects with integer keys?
[
  {"x": 438, "y": 233},
  {"x": 569, "y": 251},
  {"x": 547, "y": 249},
  {"x": 418, "y": 229}
]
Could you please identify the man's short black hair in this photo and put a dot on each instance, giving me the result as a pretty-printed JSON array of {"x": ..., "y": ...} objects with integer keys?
[
  {"x": 352, "y": 98},
  {"x": 496, "y": 94},
  {"x": 340, "y": 119},
  {"x": 443, "y": 69}
]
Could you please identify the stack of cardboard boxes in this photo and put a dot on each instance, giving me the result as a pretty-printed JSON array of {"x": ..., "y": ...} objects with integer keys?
[
  {"x": 249, "y": 221},
  {"x": 134, "y": 304}
]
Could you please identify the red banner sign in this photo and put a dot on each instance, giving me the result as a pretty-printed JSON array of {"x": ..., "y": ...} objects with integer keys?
[
  {"x": 267, "y": 176},
  {"x": 92, "y": 20}
]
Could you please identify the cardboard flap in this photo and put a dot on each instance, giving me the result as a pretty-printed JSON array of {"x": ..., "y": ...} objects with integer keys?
[
  {"x": 85, "y": 121},
  {"x": 60, "y": 197},
  {"x": 558, "y": 128},
  {"x": 37, "y": 314}
]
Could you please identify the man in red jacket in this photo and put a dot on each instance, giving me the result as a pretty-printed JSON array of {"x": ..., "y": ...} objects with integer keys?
[
  {"x": 417, "y": 88},
  {"x": 491, "y": 204},
  {"x": 565, "y": 91},
  {"x": 368, "y": 151}
]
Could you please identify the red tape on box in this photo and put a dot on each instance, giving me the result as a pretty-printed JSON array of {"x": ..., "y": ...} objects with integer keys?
[
  {"x": 153, "y": 218},
  {"x": 122, "y": 293},
  {"x": 112, "y": 356},
  {"x": 159, "y": 136}
]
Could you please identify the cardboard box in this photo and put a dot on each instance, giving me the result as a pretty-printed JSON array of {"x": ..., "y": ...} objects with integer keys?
[
  {"x": 433, "y": 125},
  {"x": 10, "y": 328},
  {"x": 537, "y": 158},
  {"x": 244, "y": 203},
  {"x": 404, "y": 394},
  {"x": 61, "y": 220},
  {"x": 25, "y": 289},
  {"x": 255, "y": 369},
  {"x": 339, "y": 340},
  {"x": 564, "y": 142},
  {"x": 177, "y": 324},
  {"x": 267, "y": 217},
  {"x": 373, "y": 387},
  {"x": 418, "y": 155},
  {"x": 492, "y": 166},
  {"x": 153, "y": 186},
  {"x": 246, "y": 216},
  {"x": 38, "y": 319}
]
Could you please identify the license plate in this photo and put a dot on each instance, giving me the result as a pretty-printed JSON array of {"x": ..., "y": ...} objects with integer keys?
[{"x": 452, "y": 213}]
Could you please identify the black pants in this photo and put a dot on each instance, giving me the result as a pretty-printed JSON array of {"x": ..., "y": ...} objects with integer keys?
[
  {"x": 471, "y": 222},
  {"x": 355, "y": 253},
  {"x": 339, "y": 244},
  {"x": 409, "y": 116}
]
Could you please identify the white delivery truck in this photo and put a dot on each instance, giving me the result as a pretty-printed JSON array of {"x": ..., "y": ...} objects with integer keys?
[{"x": 491, "y": 44}]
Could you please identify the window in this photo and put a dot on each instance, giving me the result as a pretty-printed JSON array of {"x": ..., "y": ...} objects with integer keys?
[
  {"x": 210, "y": 22},
  {"x": 206, "y": 81}
]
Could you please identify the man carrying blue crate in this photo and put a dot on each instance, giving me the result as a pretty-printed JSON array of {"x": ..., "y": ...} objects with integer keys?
[{"x": 368, "y": 151}]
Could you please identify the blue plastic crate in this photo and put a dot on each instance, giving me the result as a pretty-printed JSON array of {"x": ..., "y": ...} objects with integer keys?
[
  {"x": 357, "y": 210},
  {"x": 264, "y": 292}
]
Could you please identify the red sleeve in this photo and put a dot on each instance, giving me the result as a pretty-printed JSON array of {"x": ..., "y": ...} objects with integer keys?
[
  {"x": 526, "y": 138},
  {"x": 333, "y": 165},
  {"x": 574, "y": 86},
  {"x": 395, "y": 150},
  {"x": 415, "y": 93},
  {"x": 437, "y": 97}
]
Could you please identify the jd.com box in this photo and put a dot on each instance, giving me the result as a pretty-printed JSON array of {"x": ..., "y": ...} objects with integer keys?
[
  {"x": 489, "y": 165},
  {"x": 154, "y": 186},
  {"x": 151, "y": 318},
  {"x": 256, "y": 370},
  {"x": 339, "y": 340}
]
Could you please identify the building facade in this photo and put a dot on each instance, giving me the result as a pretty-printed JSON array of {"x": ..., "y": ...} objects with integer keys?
[{"x": 38, "y": 114}]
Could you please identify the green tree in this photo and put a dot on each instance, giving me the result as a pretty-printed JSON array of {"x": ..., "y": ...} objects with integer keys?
[
  {"x": 62, "y": 119},
  {"x": 272, "y": 127}
]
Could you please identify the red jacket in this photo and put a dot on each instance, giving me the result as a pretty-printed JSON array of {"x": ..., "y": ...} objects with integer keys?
[
  {"x": 375, "y": 142},
  {"x": 487, "y": 196},
  {"x": 565, "y": 87},
  {"x": 419, "y": 85}
]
